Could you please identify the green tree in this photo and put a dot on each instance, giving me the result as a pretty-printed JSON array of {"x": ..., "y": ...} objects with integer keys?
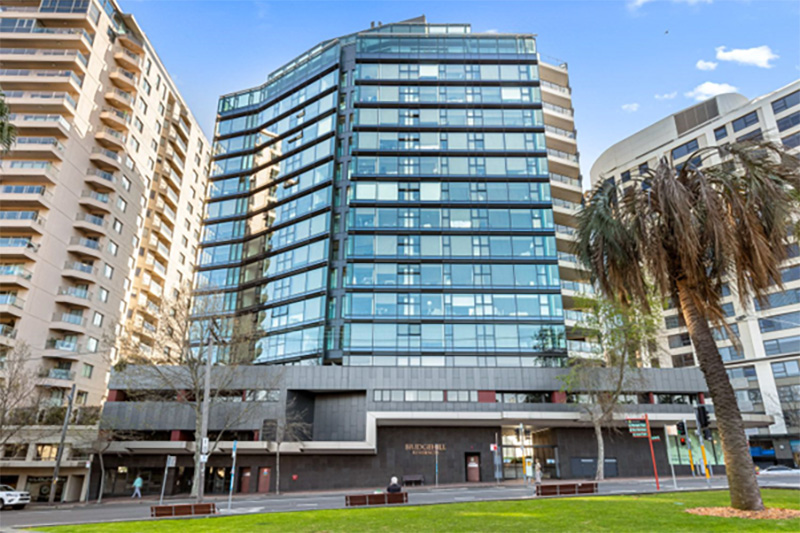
[
  {"x": 8, "y": 133},
  {"x": 690, "y": 230}
]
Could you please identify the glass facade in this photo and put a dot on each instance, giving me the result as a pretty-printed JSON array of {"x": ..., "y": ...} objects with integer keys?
[{"x": 384, "y": 199}]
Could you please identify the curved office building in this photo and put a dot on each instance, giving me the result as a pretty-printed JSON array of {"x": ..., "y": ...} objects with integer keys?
[{"x": 387, "y": 199}]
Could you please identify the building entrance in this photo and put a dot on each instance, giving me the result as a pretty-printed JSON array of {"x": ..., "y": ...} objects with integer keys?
[{"x": 473, "y": 467}]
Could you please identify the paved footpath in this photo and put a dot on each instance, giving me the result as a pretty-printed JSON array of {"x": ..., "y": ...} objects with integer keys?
[{"x": 112, "y": 510}]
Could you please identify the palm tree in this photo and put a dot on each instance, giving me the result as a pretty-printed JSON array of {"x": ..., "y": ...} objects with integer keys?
[
  {"x": 8, "y": 133},
  {"x": 687, "y": 231}
]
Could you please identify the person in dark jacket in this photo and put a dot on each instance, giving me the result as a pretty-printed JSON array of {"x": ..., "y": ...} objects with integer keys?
[{"x": 394, "y": 486}]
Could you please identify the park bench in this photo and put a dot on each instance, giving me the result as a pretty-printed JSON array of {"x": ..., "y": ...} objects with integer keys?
[
  {"x": 383, "y": 498},
  {"x": 414, "y": 479},
  {"x": 562, "y": 489},
  {"x": 185, "y": 509}
]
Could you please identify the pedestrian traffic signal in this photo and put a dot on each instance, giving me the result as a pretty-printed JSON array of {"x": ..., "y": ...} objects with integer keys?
[
  {"x": 702, "y": 416},
  {"x": 683, "y": 441},
  {"x": 681, "y": 428}
]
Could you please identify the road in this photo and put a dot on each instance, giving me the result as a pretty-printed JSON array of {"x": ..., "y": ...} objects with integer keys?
[{"x": 119, "y": 511}]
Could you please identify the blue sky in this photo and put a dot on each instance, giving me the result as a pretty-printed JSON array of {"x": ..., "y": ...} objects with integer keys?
[{"x": 631, "y": 62}]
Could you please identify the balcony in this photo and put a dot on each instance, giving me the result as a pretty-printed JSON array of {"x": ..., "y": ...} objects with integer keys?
[
  {"x": 106, "y": 159},
  {"x": 163, "y": 208},
  {"x": 175, "y": 160},
  {"x": 161, "y": 227},
  {"x": 31, "y": 58},
  {"x": 25, "y": 196},
  {"x": 90, "y": 223},
  {"x": 566, "y": 232},
  {"x": 36, "y": 171},
  {"x": 70, "y": 38},
  {"x": 119, "y": 120},
  {"x": 119, "y": 98},
  {"x": 128, "y": 60},
  {"x": 80, "y": 271},
  {"x": 11, "y": 305},
  {"x": 57, "y": 373},
  {"x": 562, "y": 162},
  {"x": 15, "y": 274},
  {"x": 169, "y": 194},
  {"x": 7, "y": 335},
  {"x": 584, "y": 349},
  {"x": 61, "y": 349},
  {"x": 85, "y": 247},
  {"x": 74, "y": 296},
  {"x": 156, "y": 268},
  {"x": 159, "y": 248},
  {"x": 48, "y": 148},
  {"x": 100, "y": 201},
  {"x": 110, "y": 138},
  {"x": 101, "y": 179},
  {"x": 39, "y": 124},
  {"x": 42, "y": 102},
  {"x": 131, "y": 42},
  {"x": 172, "y": 176},
  {"x": 57, "y": 80},
  {"x": 18, "y": 248},
  {"x": 68, "y": 322},
  {"x": 178, "y": 144},
  {"x": 24, "y": 220},
  {"x": 577, "y": 288},
  {"x": 123, "y": 78}
]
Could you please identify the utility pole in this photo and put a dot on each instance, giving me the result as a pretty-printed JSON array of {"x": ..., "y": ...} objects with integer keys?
[
  {"x": 60, "y": 451},
  {"x": 201, "y": 479}
]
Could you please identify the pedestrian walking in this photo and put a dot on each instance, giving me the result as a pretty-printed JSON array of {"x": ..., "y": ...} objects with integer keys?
[
  {"x": 137, "y": 487},
  {"x": 537, "y": 473}
]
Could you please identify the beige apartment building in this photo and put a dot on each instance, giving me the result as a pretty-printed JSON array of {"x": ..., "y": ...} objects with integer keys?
[
  {"x": 100, "y": 199},
  {"x": 765, "y": 370}
]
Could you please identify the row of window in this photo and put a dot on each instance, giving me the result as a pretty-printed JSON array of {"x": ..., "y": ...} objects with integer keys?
[
  {"x": 454, "y": 337},
  {"x": 401, "y": 395},
  {"x": 451, "y": 275},
  {"x": 292, "y": 163},
  {"x": 439, "y": 191},
  {"x": 449, "y": 72},
  {"x": 511, "y": 118},
  {"x": 451, "y": 246},
  {"x": 788, "y": 101},
  {"x": 478, "y": 361},
  {"x": 302, "y": 312},
  {"x": 453, "y": 306},
  {"x": 447, "y": 94},
  {"x": 290, "y": 187},
  {"x": 779, "y": 322},
  {"x": 479, "y": 141},
  {"x": 431, "y": 45},
  {"x": 450, "y": 166},
  {"x": 779, "y": 299},
  {"x": 480, "y": 219},
  {"x": 292, "y": 344}
]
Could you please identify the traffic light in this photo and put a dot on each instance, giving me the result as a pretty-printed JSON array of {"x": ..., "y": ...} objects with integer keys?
[
  {"x": 683, "y": 441},
  {"x": 702, "y": 416},
  {"x": 681, "y": 429}
]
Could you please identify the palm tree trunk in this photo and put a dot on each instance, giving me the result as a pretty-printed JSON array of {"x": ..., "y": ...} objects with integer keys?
[
  {"x": 739, "y": 467},
  {"x": 601, "y": 451}
]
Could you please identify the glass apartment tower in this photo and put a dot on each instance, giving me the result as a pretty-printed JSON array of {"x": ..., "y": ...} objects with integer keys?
[{"x": 387, "y": 199}]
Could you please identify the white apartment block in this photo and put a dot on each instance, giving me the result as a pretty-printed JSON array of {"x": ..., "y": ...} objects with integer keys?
[
  {"x": 100, "y": 199},
  {"x": 766, "y": 370}
]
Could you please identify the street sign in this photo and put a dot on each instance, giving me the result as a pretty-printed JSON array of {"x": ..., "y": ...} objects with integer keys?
[
  {"x": 171, "y": 461},
  {"x": 493, "y": 447},
  {"x": 204, "y": 447},
  {"x": 233, "y": 451},
  {"x": 656, "y": 437},
  {"x": 529, "y": 466},
  {"x": 638, "y": 428},
  {"x": 671, "y": 430},
  {"x": 203, "y": 457}
]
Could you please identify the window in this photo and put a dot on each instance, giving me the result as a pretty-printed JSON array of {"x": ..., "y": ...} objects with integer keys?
[
  {"x": 126, "y": 183},
  {"x": 184, "y": 241},
  {"x": 117, "y": 225},
  {"x": 122, "y": 205},
  {"x": 87, "y": 370},
  {"x": 161, "y": 109},
  {"x": 92, "y": 344},
  {"x": 146, "y": 85},
  {"x": 786, "y": 345},
  {"x": 97, "y": 319},
  {"x": 113, "y": 248},
  {"x": 643, "y": 168},
  {"x": 138, "y": 124},
  {"x": 149, "y": 66},
  {"x": 685, "y": 149},
  {"x": 720, "y": 133},
  {"x": 135, "y": 143},
  {"x": 108, "y": 271},
  {"x": 789, "y": 121},
  {"x": 182, "y": 259},
  {"x": 82, "y": 397},
  {"x": 786, "y": 369},
  {"x": 190, "y": 208},
  {"x": 625, "y": 176},
  {"x": 754, "y": 135},
  {"x": 142, "y": 106},
  {"x": 792, "y": 141},
  {"x": 790, "y": 100},
  {"x": 103, "y": 295},
  {"x": 745, "y": 121}
]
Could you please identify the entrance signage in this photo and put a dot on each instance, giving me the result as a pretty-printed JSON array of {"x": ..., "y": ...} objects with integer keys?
[{"x": 425, "y": 449}]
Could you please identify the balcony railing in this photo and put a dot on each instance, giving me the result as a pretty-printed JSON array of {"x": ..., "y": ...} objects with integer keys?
[
  {"x": 58, "y": 373},
  {"x": 108, "y": 153},
  {"x": 7, "y": 331},
  {"x": 575, "y": 182},
  {"x": 61, "y": 344},
  {"x": 21, "y": 142},
  {"x": 108, "y": 176},
  {"x": 121, "y": 137},
  {"x": 76, "y": 320},
  {"x": 22, "y": 215},
  {"x": 88, "y": 243},
  {"x": 52, "y": 95},
  {"x": 35, "y": 117},
  {"x": 568, "y": 230},
  {"x": 123, "y": 115},
  {"x": 558, "y": 109},
  {"x": 75, "y": 292},
  {"x": 15, "y": 270},
  {"x": 18, "y": 242},
  {"x": 94, "y": 195},
  {"x": 80, "y": 267},
  {"x": 91, "y": 219},
  {"x": 127, "y": 74},
  {"x": 576, "y": 286},
  {"x": 23, "y": 189},
  {"x": 563, "y": 155},
  {"x": 554, "y": 86},
  {"x": 45, "y": 166},
  {"x": 584, "y": 347},
  {"x": 13, "y": 72},
  {"x": 51, "y": 31},
  {"x": 12, "y": 299},
  {"x": 569, "y": 258},
  {"x": 559, "y": 131},
  {"x": 133, "y": 57},
  {"x": 566, "y": 204}
]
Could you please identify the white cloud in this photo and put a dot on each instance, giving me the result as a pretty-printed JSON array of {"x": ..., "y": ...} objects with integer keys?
[
  {"x": 667, "y": 96},
  {"x": 636, "y": 4},
  {"x": 709, "y": 89},
  {"x": 759, "y": 56},
  {"x": 706, "y": 65},
  {"x": 630, "y": 108}
]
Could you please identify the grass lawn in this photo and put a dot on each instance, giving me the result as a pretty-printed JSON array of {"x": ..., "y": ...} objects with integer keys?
[{"x": 662, "y": 512}]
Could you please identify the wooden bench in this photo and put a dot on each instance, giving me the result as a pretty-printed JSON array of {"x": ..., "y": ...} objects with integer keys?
[
  {"x": 384, "y": 498},
  {"x": 562, "y": 489},
  {"x": 184, "y": 509},
  {"x": 415, "y": 479}
]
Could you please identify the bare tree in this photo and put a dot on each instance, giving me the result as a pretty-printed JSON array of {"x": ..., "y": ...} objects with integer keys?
[
  {"x": 172, "y": 357},
  {"x": 624, "y": 335},
  {"x": 20, "y": 377},
  {"x": 291, "y": 425}
]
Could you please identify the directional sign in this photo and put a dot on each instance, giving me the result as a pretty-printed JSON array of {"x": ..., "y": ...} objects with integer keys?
[
  {"x": 171, "y": 461},
  {"x": 637, "y": 428},
  {"x": 203, "y": 457}
]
